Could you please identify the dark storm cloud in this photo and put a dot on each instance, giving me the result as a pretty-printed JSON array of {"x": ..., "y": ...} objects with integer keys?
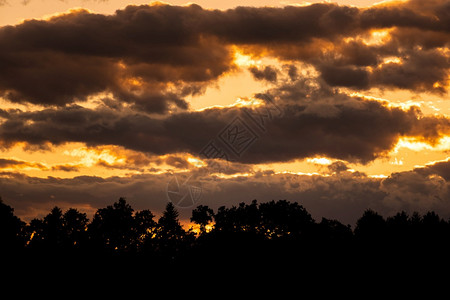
[
  {"x": 177, "y": 162},
  {"x": 133, "y": 54},
  {"x": 345, "y": 76},
  {"x": 267, "y": 73},
  {"x": 152, "y": 57},
  {"x": 320, "y": 123},
  {"x": 441, "y": 168},
  {"x": 338, "y": 167},
  {"x": 433, "y": 66},
  {"x": 250, "y": 25},
  {"x": 141, "y": 53},
  {"x": 343, "y": 196},
  {"x": 425, "y": 188},
  {"x": 33, "y": 196}
]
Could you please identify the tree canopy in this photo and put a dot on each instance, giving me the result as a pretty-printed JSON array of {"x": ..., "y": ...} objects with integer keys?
[{"x": 248, "y": 231}]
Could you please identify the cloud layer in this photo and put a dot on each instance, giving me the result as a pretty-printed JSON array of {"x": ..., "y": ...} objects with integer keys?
[
  {"x": 320, "y": 122},
  {"x": 154, "y": 56},
  {"x": 343, "y": 195}
]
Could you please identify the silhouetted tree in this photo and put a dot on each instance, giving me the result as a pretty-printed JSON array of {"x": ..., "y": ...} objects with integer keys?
[
  {"x": 399, "y": 228},
  {"x": 249, "y": 217},
  {"x": 75, "y": 226},
  {"x": 334, "y": 231},
  {"x": 371, "y": 227},
  {"x": 12, "y": 235},
  {"x": 283, "y": 219},
  {"x": 58, "y": 231},
  {"x": 53, "y": 229},
  {"x": 280, "y": 232},
  {"x": 170, "y": 237},
  {"x": 225, "y": 219},
  {"x": 35, "y": 231},
  {"x": 112, "y": 227},
  {"x": 202, "y": 215},
  {"x": 435, "y": 230},
  {"x": 144, "y": 230}
]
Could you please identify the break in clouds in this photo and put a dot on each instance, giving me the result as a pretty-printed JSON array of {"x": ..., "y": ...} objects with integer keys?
[{"x": 144, "y": 62}]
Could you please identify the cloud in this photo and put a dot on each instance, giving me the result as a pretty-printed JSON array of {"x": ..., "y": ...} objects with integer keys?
[
  {"x": 422, "y": 189},
  {"x": 309, "y": 119},
  {"x": 66, "y": 168},
  {"x": 177, "y": 162},
  {"x": 138, "y": 55},
  {"x": 433, "y": 75},
  {"x": 353, "y": 130},
  {"x": 268, "y": 73},
  {"x": 345, "y": 76},
  {"x": 19, "y": 164},
  {"x": 343, "y": 196},
  {"x": 338, "y": 167},
  {"x": 153, "y": 57},
  {"x": 440, "y": 168}
]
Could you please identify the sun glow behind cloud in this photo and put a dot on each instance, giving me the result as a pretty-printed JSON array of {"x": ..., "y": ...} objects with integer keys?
[{"x": 414, "y": 144}]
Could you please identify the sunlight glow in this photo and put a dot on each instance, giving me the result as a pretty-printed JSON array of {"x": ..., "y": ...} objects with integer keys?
[
  {"x": 405, "y": 105},
  {"x": 430, "y": 163},
  {"x": 244, "y": 60},
  {"x": 302, "y": 173},
  {"x": 73, "y": 10},
  {"x": 196, "y": 227},
  {"x": 377, "y": 37},
  {"x": 415, "y": 145},
  {"x": 245, "y": 102},
  {"x": 391, "y": 60},
  {"x": 196, "y": 162},
  {"x": 90, "y": 157},
  {"x": 378, "y": 176},
  {"x": 240, "y": 102},
  {"x": 319, "y": 160}
]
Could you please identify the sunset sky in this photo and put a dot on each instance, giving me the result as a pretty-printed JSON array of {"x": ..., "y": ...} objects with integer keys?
[{"x": 340, "y": 106}]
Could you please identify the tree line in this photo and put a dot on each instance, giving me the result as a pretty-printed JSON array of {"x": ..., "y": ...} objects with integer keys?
[{"x": 280, "y": 229}]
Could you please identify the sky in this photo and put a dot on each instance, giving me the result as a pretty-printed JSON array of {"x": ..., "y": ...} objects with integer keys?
[{"x": 340, "y": 106}]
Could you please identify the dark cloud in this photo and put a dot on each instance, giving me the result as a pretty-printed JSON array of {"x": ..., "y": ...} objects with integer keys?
[
  {"x": 250, "y": 25},
  {"x": 433, "y": 74},
  {"x": 345, "y": 76},
  {"x": 267, "y": 73},
  {"x": 421, "y": 189},
  {"x": 323, "y": 122},
  {"x": 33, "y": 197},
  {"x": 342, "y": 196},
  {"x": 66, "y": 168},
  {"x": 177, "y": 162},
  {"x": 13, "y": 163},
  {"x": 359, "y": 54},
  {"x": 155, "y": 56},
  {"x": 441, "y": 168},
  {"x": 136, "y": 54},
  {"x": 338, "y": 166}
]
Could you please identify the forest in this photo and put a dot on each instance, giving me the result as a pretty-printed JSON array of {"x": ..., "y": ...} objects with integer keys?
[{"x": 275, "y": 233}]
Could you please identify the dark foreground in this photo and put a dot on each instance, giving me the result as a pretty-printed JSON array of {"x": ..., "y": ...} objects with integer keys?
[{"x": 277, "y": 240}]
